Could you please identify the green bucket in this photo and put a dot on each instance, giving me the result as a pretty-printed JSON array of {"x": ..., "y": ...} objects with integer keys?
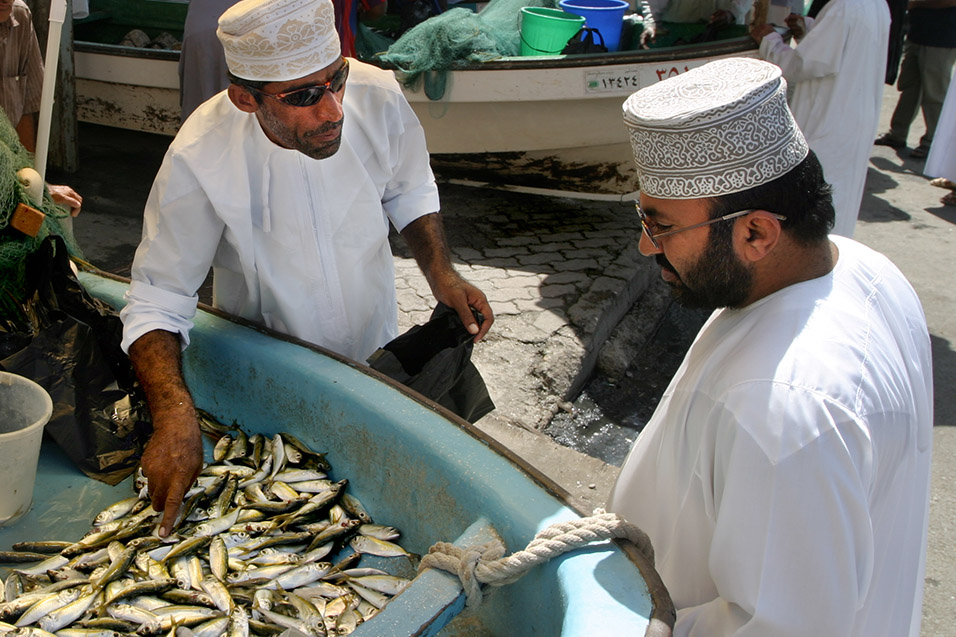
[{"x": 546, "y": 31}]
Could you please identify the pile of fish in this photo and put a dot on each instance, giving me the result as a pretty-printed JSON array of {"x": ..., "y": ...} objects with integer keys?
[{"x": 248, "y": 555}]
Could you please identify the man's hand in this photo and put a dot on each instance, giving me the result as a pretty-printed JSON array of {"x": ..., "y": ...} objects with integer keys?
[
  {"x": 171, "y": 462},
  {"x": 797, "y": 25},
  {"x": 173, "y": 457},
  {"x": 426, "y": 237},
  {"x": 462, "y": 296},
  {"x": 66, "y": 197},
  {"x": 759, "y": 33},
  {"x": 650, "y": 33},
  {"x": 722, "y": 16}
]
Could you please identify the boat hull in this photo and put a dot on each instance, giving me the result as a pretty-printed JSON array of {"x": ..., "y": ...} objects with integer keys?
[
  {"x": 539, "y": 124},
  {"x": 411, "y": 463}
]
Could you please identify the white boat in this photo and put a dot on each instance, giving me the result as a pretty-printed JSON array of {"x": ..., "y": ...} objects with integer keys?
[{"x": 541, "y": 124}]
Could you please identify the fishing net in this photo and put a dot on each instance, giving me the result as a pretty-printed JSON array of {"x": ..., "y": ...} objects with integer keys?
[
  {"x": 458, "y": 35},
  {"x": 14, "y": 245}
]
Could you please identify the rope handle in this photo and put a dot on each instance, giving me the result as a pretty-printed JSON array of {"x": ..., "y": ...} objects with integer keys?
[{"x": 485, "y": 564}]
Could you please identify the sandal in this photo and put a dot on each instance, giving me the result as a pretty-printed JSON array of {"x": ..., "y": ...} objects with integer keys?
[
  {"x": 949, "y": 200},
  {"x": 942, "y": 182}
]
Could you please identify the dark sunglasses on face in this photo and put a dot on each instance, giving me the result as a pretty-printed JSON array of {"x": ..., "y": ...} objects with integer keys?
[{"x": 309, "y": 95}]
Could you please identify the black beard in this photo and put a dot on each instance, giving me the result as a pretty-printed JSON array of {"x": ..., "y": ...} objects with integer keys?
[{"x": 717, "y": 279}]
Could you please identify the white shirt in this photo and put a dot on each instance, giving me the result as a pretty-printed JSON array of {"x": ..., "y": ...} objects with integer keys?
[
  {"x": 784, "y": 477},
  {"x": 296, "y": 244},
  {"x": 689, "y": 11},
  {"x": 836, "y": 76}
]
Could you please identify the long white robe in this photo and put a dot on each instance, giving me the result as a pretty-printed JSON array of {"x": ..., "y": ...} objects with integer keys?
[
  {"x": 784, "y": 477},
  {"x": 941, "y": 161},
  {"x": 836, "y": 76},
  {"x": 296, "y": 244},
  {"x": 202, "y": 62}
]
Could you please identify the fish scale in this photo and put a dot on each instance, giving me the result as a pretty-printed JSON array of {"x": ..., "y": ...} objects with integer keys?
[{"x": 256, "y": 509}]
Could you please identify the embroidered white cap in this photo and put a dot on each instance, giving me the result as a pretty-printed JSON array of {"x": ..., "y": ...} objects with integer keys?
[
  {"x": 279, "y": 40},
  {"x": 720, "y": 128}
]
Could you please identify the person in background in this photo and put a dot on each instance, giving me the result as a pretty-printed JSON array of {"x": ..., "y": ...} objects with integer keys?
[
  {"x": 21, "y": 86},
  {"x": 784, "y": 477},
  {"x": 719, "y": 12},
  {"x": 202, "y": 63},
  {"x": 348, "y": 13},
  {"x": 941, "y": 162},
  {"x": 925, "y": 71},
  {"x": 837, "y": 67},
  {"x": 285, "y": 185}
]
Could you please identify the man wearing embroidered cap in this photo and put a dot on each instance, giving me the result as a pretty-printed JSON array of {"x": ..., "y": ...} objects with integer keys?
[
  {"x": 784, "y": 477},
  {"x": 285, "y": 185}
]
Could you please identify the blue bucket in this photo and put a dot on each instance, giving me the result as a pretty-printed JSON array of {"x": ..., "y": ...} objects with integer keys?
[{"x": 607, "y": 16}]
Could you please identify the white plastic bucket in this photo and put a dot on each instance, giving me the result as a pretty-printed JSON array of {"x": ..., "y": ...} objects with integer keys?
[{"x": 25, "y": 408}]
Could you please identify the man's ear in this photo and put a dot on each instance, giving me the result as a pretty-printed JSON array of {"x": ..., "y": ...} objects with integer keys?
[
  {"x": 757, "y": 235},
  {"x": 242, "y": 98}
]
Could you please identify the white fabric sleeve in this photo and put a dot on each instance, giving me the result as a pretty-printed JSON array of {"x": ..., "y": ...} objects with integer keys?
[
  {"x": 740, "y": 9},
  {"x": 792, "y": 549},
  {"x": 411, "y": 192},
  {"x": 819, "y": 53},
  {"x": 181, "y": 233},
  {"x": 653, "y": 11}
]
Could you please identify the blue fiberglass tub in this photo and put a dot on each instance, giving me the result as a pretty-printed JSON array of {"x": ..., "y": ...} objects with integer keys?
[{"x": 412, "y": 464}]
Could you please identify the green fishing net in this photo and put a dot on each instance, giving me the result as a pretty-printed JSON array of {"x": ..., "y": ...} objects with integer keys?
[
  {"x": 458, "y": 35},
  {"x": 14, "y": 245}
]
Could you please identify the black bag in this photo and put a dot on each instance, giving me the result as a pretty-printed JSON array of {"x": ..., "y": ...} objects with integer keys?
[
  {"x": 435, "y": 360},
  {"x": 100, "y": 418},
  {"x": 583, "y": 42}
]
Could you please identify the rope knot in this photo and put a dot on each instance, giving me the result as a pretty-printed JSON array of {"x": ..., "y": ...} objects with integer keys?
[{"x": 484, "y": 564}]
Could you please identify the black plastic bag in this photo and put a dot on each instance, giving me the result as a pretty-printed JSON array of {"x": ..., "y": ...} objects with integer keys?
[
  {"x": 72, "y": 350},
  {"x": 583, "y": 42},
  {"x": 435, "y": 360}
]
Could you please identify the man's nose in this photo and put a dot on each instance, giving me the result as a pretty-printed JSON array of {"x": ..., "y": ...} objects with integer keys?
[
  {"x": 329, "y": 108},
  {"x": 646, "y": 247}
]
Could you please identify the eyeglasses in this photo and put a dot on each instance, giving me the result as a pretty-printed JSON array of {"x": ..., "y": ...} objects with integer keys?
[
  {"x": 654, "y": 237},
  {"x": 309, "y": 95}
]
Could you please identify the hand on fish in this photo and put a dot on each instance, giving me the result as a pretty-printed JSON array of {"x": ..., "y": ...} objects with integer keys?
[{"x": 171, "y": 462}]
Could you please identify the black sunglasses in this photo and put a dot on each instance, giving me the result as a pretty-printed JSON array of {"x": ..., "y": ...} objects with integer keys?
[{"x": 309, "y": 95}]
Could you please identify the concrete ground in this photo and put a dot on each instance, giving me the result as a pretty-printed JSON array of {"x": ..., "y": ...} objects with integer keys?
[{"x": 571, "y": 293}]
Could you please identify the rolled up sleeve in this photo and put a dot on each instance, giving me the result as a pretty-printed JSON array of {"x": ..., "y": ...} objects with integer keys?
[{"x": 181, "y": 233}]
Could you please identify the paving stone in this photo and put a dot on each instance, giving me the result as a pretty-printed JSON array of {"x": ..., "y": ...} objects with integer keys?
[
  {"x": 496, "y": 295},
  {"x": 493, "y": 253},
  {"x": 552, "y": 290},
  {"x": 603, "y": 243},
  {"x": 521, "y": 241},
  {"x": 565, "y": 236},
  {"x": 588, "y": 253},
  {"x": 576, "y": 265},
  {"x": 409, "y": 301},
  {"x": 569, "y": 277},
  {"x": 467, "y": 254},
  {"x": 542, "y": 258},
  {"x": 504, "y": 308}
]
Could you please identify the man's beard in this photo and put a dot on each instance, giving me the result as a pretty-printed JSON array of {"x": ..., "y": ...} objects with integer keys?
[{"x": 717, "y": 279}]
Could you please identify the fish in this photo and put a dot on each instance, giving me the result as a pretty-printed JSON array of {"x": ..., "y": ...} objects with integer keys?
[{"x": 247, "y": 555}]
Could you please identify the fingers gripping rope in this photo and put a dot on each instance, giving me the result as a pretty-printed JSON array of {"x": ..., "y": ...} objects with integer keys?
[{"x": 484, "y": 564}]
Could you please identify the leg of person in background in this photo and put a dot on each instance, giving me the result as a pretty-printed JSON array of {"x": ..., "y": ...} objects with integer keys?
[
  {"x": 908, "y": 104},
  {"x": 936, "y": 69}
]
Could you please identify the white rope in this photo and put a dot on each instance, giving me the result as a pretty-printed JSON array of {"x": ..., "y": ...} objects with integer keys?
[{"x": 484, "y": 564}]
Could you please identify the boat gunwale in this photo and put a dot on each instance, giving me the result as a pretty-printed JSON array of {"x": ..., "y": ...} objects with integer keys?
[{"x": 643, "y": 56}]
